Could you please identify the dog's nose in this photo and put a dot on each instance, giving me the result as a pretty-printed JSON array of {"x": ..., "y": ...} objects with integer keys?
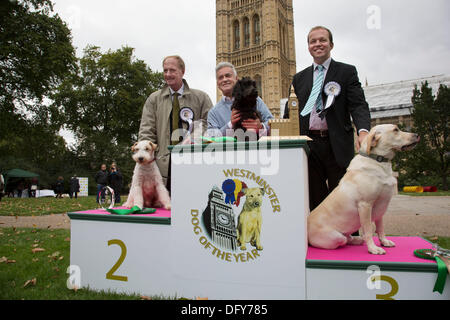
[{"x": 141, "y": 159}]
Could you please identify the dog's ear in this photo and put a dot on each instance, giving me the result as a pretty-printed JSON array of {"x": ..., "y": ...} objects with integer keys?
[
  {"x": 262, "y": 191},
  {"x": 133, "y": 146},
  {"x": 153, "y": 145},
  {"x": 244, "y": 190},
  {"x": 237, "y": 90},
  {"x": 372, "y": 140}
]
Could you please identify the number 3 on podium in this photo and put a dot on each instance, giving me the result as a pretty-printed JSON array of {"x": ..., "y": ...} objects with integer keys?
[{"x": 110, "y": 274}]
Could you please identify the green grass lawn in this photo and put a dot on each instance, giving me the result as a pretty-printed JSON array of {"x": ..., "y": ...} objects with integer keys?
[
  {"x": 33, "y": 266},
  {"x": 426, "y": 194},
  {"x": 46, "y": 205}
]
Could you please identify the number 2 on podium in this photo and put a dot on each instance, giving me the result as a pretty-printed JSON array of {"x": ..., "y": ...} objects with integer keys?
[{"x": 110, "y": 274}]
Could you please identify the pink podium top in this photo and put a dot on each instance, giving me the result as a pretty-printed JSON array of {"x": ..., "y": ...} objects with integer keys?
[
  {"x": 159, "y": 213},
  {"x": 160, "y": 216},
  {"x": 403, "y": 252}
]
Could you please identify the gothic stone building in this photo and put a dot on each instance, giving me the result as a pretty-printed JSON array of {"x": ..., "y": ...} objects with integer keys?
[{"x": 257, "y": 37}]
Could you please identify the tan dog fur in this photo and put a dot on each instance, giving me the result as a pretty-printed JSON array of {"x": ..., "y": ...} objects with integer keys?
[
  {"x": 250, "y": 219},
  {"x": 362, "y": 196},
  {"x": 147, "y": 187}
]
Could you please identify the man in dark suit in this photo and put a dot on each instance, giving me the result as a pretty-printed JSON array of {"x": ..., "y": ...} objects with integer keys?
[{"x": 329, "y": 92}]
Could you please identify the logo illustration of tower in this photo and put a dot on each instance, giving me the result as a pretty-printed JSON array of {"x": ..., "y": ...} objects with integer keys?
[{"x": 219, "y": 221}]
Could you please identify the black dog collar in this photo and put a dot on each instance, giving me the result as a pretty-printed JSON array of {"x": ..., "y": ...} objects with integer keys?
[{"x": 374, "y": 157}]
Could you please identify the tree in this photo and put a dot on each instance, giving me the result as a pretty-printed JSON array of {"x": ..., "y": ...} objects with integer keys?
[
  {"x": 101, "y": 102},
  {"x": 428, "y": 162},
  {"x": 36, "y": 53}
]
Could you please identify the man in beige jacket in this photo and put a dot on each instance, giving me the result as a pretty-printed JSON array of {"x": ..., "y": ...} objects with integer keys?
[{"x": 157, "y": 116}]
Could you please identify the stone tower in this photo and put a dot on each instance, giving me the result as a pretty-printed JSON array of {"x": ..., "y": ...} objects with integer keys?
[{"x": 257, "y": 37}]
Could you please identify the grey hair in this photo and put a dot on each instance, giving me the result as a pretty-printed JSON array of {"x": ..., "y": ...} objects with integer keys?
[{"x": 226, "y": 64}]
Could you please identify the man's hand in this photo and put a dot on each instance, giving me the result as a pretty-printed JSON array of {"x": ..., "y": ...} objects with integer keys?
[
  {"x": 235, "y": 117},
  {"x": 360, "y": 139},
  {"x": 252, "y": 124}
]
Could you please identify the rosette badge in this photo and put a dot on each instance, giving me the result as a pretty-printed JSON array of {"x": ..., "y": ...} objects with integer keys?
[
  {"x": 187, "y": 115},
  {"x": 332, "y": 90}
]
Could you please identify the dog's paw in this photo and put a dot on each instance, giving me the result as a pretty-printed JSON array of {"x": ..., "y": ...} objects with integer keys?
[
  {"x": 168, "y": 207},
  {"x": 387, "y": 243},
  {"x": 128, "y": 205},
  {"x": 376, "y": 250},
  {"x": 259, "y": 248},
  {"x": 243, "y": 248}
]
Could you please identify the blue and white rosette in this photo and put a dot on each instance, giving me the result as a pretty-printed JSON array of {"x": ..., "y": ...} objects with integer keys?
[
  {"x": 187, "y": 115},
  {"x": 332, "y": 90}
]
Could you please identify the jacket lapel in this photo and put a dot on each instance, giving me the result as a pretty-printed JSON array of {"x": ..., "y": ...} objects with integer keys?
[
  {"x": 331, "y": 76},
  {"x": 331, "y": 73}
]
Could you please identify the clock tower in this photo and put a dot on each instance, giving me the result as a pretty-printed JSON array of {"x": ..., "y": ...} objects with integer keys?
[
  {"x": 222, "y": 221},
  {"x": 257, "y": 37}
]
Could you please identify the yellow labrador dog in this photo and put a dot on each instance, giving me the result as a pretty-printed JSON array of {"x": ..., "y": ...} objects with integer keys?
[
  {"x": 250, "y": 219},
  {"x": 363, "y": 194}
]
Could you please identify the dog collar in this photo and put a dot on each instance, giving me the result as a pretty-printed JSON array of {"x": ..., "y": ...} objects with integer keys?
[{"x": 374, "y": 157}]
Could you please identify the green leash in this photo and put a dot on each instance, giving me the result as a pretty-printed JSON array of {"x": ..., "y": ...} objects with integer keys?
[
  {"x": 134, "y": 210},
  {"x": 218, "y": 139},
  {"x": 442, "y": 268}
]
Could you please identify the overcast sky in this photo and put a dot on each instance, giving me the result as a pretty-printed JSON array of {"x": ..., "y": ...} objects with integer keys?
[{"x": 386, "y": 40}]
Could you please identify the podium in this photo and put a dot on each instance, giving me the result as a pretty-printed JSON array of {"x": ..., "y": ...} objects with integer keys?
[
  {"x": 193, "y": 250},
  {"x": 207, "y": 201},
  {"x": 196, "y": 250}
]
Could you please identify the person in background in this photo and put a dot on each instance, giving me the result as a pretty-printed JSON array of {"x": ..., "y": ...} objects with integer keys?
[
  {"x": 115, "y": 181},
  {"x": 74, "y": 187},
  {"x": 59, "y": 188},
  {"x": 101, "y": 178}
]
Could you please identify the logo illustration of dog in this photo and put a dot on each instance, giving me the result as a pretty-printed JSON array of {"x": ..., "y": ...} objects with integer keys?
[
  {"x": 250, "y": 219},
  {"x": 147, "y": 187}
]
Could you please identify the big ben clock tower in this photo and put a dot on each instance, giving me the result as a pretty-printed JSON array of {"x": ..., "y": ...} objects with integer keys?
[
  {"x": 219, "y": 221},
  {"x": 257, "y": 37}
]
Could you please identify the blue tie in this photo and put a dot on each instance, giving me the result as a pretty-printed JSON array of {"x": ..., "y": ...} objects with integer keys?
[{"x": 316, "y": 94}]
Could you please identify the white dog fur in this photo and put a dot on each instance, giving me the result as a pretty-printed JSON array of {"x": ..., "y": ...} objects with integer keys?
[
  {"x": 363, "y": 194},
  {"x": 147, "y": 187}
]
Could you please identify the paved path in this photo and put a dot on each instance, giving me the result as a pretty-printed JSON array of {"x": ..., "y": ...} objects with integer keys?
[{"x": 406, "y": 216}]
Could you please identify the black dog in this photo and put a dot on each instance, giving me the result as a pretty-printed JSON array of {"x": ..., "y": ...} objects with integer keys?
[{"x": 245, "y": 94}]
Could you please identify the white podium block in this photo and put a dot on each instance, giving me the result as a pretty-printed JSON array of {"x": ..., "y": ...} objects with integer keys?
[
  {"x": 208, "y": 194},
  {"x": 126, "y": 254},
  {"x": 351, "y": 273}
]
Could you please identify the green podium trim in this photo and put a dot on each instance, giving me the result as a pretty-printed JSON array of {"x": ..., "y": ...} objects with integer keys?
[
  {"x": 118, "y": 218},
  {"x": 238, "y": 146},
  {"x": 363, "y": 265}
]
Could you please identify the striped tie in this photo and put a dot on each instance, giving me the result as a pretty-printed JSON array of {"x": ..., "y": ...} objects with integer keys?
[{"x": 316, "y": 93}]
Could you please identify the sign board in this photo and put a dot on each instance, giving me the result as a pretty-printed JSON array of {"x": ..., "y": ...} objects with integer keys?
[{"x": 83, "y": 187}]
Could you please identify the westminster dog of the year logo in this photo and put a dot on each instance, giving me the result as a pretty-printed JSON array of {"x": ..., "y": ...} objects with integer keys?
[{"x": 232, "y": 223}]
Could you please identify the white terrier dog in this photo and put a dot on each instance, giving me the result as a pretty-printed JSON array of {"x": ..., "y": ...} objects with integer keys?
[{"x": 147, "y": 187}]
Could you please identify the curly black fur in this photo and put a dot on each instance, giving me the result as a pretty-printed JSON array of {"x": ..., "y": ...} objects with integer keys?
[{"x": 245, "y": 94}]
